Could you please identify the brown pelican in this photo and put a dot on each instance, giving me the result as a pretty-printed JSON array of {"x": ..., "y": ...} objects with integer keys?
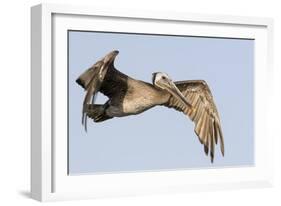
[{"x": 128, "y": 96}]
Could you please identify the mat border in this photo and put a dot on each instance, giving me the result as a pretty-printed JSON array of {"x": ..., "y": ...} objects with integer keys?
[{"x": 42, "y": 85}]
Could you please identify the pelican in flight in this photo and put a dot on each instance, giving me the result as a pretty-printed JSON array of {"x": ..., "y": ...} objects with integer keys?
[{"x": 128, "y": 96}]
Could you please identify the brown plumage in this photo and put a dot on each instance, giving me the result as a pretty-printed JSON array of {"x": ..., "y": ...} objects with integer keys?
[
  {"x": 203, "y": 113},
  {"x": 128, "y": 96}
]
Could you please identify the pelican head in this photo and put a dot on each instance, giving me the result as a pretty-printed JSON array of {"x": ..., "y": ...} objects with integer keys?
[{"x": 163, "y": 81}]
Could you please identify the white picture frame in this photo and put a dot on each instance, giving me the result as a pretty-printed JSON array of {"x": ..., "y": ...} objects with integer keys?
[{"x": 49, "y": 179}]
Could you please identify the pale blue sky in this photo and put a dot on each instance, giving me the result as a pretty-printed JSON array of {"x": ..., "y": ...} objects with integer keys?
[{"x": 162, "y": 138}]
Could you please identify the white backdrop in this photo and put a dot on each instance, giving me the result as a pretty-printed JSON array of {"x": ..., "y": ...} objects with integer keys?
[{"x": 15, "y": 102}]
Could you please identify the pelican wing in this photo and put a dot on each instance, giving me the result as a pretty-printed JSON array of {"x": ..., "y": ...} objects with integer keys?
[
  {"x": 203, "y": 113},
  {"x": 97, "y": 79}
]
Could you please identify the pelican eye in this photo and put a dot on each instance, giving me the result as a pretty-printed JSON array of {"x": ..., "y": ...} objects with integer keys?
[{"x": 163, "y": 77}]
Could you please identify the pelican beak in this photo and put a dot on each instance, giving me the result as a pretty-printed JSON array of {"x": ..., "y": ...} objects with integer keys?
[{"x": 172, "y": 88}]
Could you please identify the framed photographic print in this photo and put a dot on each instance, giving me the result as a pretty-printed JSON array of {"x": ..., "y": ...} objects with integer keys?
[{"x": 137, "y": 102}]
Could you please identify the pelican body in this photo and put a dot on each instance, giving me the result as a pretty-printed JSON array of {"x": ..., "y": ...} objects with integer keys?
[{"x": 129, "y": 96}]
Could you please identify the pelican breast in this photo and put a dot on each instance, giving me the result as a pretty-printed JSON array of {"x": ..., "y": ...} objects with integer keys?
[{"x": 141, "y": 96}]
